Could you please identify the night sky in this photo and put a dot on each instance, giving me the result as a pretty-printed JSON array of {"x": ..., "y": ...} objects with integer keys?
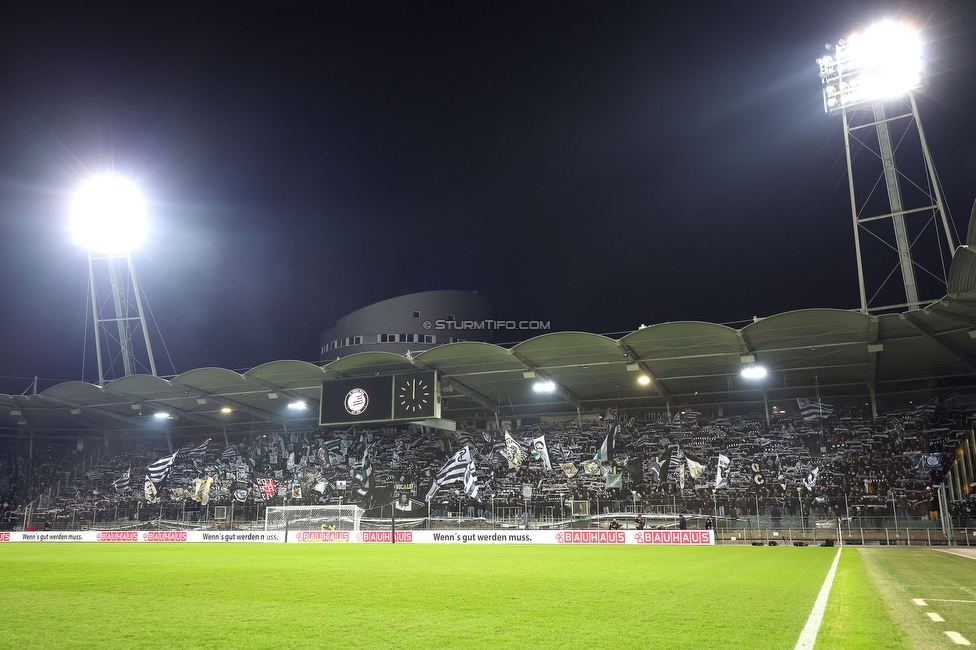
[{"x": 596, "y": 165}]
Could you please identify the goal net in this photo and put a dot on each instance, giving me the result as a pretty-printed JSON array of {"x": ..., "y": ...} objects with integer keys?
[{"x": 293, "y": 518}]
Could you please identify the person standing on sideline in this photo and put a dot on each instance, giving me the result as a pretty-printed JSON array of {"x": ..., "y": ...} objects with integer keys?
[
  {"x": 682, "y": 523},
  {"x": 639, "y": 522}
]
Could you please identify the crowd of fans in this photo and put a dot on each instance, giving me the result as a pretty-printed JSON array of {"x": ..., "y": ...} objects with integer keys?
[{"x": 842, "y": 465}]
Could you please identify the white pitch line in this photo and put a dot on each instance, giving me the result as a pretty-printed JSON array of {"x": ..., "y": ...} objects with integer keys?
[
  {"x": 919, "y": 602},
  {"x": 808, "y": 635},
  {"x": 935, "y": 617},
  {"x": 946, "y": 600},
  {"x": 957, "y": 638}
]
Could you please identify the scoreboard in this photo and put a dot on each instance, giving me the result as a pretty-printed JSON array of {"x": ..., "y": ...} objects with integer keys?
[{"x": 389, "y": 398}]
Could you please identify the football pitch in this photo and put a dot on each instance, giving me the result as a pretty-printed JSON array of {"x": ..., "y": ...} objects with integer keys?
[{"x": 433, "y": 596}]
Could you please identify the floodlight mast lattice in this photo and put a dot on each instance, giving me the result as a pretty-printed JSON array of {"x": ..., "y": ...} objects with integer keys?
[
  {"x": 870, "y": 72},
  {"x": 108, "y": 218}
]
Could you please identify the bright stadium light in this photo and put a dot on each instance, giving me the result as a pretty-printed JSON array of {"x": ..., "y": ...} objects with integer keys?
[
  {"x": 754, "y": 372},
  {"x": 298, "y": 406},
  {"x": 643, "y": 380},
  {"x": 544, "y": 387},
  {"x": 108, "y": 215},
  {"x": 883, "y": 62},
  {"x": 160, "y": 415},
  {"x": 226, "y": 410}
]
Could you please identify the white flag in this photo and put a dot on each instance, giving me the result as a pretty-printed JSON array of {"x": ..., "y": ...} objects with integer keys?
[
  {"x": 150, "y": 490},
  {"x": 811, "y": 479},
  {"x": 695, "y": 469},
  {"x": 722, "y": 472},
  {"x": 540, "y": 451},
  {"x": 514, "y": 452}
]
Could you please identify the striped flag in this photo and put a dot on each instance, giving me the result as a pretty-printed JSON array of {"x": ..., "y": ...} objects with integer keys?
[
  {"x": 229, "y": 454},
  {"x": 605, "y": 453},
  {"x": 197, "y": 453},
  {"x": 459, "y": 468},
  {"x": 811, "y": 410},
  {"x": 159, "y": 471},
  {"x": 610, "y": 418},
  {"x": 122, "y": 482}
]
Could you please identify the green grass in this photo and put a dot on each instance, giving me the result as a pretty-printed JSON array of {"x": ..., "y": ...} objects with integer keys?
[
  {"x": 936, "y": 577},
  {"x": 431, "y": 596},
  {"x": 857, "y": 616}
]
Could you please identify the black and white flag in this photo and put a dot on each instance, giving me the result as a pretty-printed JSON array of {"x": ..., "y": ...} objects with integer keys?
[
  {"x": 540, "y": 451},
  {"x": 197, "y": 453},
  {"x": 811, "y": 410},
  {"x": 811, "y": 479},
  {"x": 122, "y": 482},
  {"x": 513, "y": 451},
  {"x": 159, "y": 471},
  {"x": 459, "y": 468},
  {"x": 150, "y": 488},
  {"x": 722, "y": 472}
]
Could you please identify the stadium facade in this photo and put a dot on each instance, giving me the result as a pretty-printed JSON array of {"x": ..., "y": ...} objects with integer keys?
[{"x": 411, "y": 323}]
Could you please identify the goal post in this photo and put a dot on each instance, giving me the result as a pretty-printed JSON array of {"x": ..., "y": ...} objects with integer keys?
[{"x": 321, "y": 518}]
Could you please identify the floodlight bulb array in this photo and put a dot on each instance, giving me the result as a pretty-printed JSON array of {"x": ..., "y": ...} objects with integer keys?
[
  {"x": 544, "y": 387},
  {"x": 754, "y": 372},
  {"x": 883, "y": 62},
  {"x": 108, "y": 215}
]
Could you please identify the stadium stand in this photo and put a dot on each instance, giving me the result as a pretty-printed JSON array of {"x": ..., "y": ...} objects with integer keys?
[{"x": 791, "y": 473}]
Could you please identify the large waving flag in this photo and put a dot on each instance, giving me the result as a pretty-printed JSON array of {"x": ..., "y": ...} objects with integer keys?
[
  {"x": 122, "y": 482},
  {"x": 365, "y": 476},
  {"x": 695, "y": 469},
  {"x": 159, "y": 471},
  {"x": 811, "y": 410},
  {"x": 605, "y": 453},
  {"x": 722, "y": 472},
  {"x": 459, "y": 468},
  {"x": 513, "y": 451},
  {"x": 540, "y": 451}
]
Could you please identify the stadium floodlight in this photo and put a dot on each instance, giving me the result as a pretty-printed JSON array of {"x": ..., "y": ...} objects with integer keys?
[
  {"x": 108, "y": 215},
  {"x": 544, "y": 387},
  {"x": 161, "y": 415},
  {"x": 883, "y": 62},
  {"x": 754, "y": 372},
  {"x": 643, "y": 380},
  {"x": 226, "y": 410},
  {"x": 870, "y": 79},
  {"x": 298, "y": 406}
]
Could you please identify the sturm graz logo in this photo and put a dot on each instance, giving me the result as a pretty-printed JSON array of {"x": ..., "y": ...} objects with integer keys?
[{"x": 356, "y": 401}]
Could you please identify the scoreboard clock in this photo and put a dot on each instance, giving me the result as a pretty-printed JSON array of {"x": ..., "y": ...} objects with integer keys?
[{"x": 390, "y": 398}]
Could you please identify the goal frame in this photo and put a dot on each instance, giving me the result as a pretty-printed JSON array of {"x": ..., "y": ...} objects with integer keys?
[{"x": 313, "y": 517}]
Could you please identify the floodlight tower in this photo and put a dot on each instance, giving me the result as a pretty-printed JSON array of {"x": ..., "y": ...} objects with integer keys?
[
  {"x": 108, "y": 218},
  {"x": 870, "y": 74}
]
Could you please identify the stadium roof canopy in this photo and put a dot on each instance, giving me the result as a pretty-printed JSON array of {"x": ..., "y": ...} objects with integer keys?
[{"x": 838, "y": 355}]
